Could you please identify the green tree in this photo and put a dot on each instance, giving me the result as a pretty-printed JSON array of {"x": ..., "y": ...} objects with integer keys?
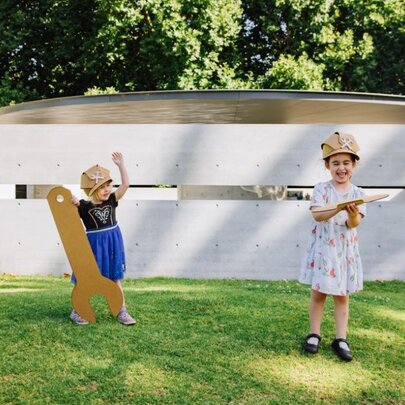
[
  {"x": 189, "y": 44},
  {"x": 346, "y": 45},
  {"x": 43, "y": 48},
  {"x": 289, "y": 73},
  {"x": 378, "y": 26},
  {"x": 59, "y": 48},
  {"x": 55, "y": 48}
]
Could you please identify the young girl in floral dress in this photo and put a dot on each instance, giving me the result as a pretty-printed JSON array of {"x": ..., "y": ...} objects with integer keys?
[
  {"x": 103, "y": 232},
  {"x": 332, "y": 265}
]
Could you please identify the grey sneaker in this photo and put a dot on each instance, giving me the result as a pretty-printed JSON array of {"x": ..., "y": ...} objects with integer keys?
[
  {"x": 77, "y": 319},
  {"x": 124, "y": 318}
]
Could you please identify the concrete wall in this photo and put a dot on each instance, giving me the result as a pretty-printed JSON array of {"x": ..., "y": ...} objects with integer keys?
[
  {"x": 196, "y": 154},
  {"x": 257, "y": 239}
]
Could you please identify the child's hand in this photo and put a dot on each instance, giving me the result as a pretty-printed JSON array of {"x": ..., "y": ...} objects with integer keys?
[
  {"x": 352, "y": 210},
  {"x": 117, "y": 158},
  {"x": 354, "y": 216},
  {"x": 75, "y": 201}
]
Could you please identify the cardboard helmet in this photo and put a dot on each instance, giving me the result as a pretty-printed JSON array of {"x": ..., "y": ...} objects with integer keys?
[
  {"x": 93, "y": 178},
  {"x": 340, "y": 143}
]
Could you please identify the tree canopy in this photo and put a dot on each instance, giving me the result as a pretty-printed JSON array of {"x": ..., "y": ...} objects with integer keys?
[{"x": 55, "y": 48}]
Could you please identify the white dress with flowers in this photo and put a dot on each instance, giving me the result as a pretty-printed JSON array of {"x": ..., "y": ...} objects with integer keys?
[{"x": 332, "y": 264}]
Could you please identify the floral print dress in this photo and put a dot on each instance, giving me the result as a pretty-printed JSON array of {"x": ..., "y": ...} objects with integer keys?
[{"x": 332, "y": 264}]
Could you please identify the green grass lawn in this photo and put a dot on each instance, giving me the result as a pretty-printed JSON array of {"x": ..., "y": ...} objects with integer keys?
[{"x": 197, "y": 342}]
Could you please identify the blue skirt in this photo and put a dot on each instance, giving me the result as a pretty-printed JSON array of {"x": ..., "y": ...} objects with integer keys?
[{"x": 108, "y": 250}]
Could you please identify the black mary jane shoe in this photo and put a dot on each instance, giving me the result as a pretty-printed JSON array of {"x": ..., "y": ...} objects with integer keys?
[
  {"x": 343, "y": 354},
  {"x": 310, "y": 347}
]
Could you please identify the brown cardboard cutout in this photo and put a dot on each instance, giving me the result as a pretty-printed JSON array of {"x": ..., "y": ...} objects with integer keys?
[
  {"x": 342, "y": 204},
  {"x": 90, "y": 282}
]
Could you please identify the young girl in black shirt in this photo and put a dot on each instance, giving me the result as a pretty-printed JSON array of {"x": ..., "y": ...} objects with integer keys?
[{"x": 103, "y": 232}]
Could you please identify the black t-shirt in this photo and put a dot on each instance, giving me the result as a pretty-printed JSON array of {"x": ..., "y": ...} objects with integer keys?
[{"x": 96, "y": 216}]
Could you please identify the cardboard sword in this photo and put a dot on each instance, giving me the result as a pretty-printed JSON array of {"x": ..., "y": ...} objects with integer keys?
[{"x": 342, "y": 204}]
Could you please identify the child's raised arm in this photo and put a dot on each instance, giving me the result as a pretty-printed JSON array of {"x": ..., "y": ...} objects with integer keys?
[{"x": 118, "y": 159}]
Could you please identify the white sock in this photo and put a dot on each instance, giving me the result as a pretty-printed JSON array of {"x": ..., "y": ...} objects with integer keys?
[
  {"x": 313, "y": 341},
  {"x": 344, "y": 346}
]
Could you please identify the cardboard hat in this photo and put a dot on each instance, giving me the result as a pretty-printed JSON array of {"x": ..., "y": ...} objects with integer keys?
[
  {"x": 93, "y": 178},
  {"x": 340, "y": 143}
]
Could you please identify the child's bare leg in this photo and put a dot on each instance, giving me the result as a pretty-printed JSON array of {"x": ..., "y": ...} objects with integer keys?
[
  {"x": 316, "y": 311},
  {"x": 340, "y": 345},
  {"x": 341, "y": 315},
  {"x": 312, "y": 341},
  {"x": 118, "y": 282},
  {"x": 123, "y": 316}
]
